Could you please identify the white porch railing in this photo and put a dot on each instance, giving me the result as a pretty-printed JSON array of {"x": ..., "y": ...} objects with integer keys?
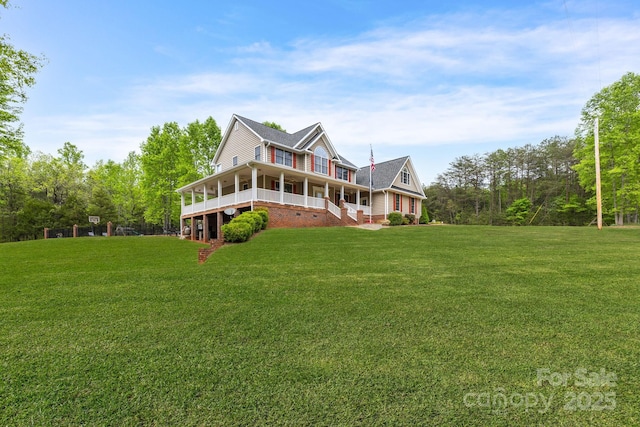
[
  {"x": 334, "y": 210},
  {"x": 316, "y": 202},
  {"x": 272, "y": 196},
  {"x": 352, "y": 207}
]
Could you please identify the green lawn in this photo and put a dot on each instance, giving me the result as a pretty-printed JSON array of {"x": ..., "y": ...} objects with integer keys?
[{"x": 333, "y": 326}]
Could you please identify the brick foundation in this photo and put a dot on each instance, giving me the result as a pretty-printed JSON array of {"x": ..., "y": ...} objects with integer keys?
[{"x": 283, "y": 216}]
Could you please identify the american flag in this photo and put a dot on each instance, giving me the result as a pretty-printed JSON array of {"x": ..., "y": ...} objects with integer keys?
[{"x": 373, "y": 165}]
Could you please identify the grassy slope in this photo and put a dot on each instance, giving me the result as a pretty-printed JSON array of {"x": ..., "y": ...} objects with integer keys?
[{"x": 317, "y": 326}]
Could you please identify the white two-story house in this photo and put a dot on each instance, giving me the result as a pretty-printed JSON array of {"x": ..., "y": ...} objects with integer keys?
[{"x": 299, "y": 177}]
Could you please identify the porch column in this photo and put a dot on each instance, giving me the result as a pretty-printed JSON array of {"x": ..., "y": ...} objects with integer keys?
[
  {"x": 306, "y": 192},
  {"x": 193, "y": 199},
  {"x": 205, "y": 228},
  {"x": 219, "y": 219},
  {"x": 282, "y": 188},
  {"x": 205, "y": 196},
  {"x": 326, "y": 189},
  {"x": 358, "y": 200},
  {"x": 254, "y": 185},
  {"x": 219, "y": 192},
  {"x": 194, "y": 229},
  {"x": 182, "y": 201},
  {"x": 342, "y": 192},
  {"x": 236, "y": 178}
]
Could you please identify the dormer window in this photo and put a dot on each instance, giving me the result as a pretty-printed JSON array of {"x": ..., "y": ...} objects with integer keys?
[
  {"x": 342, "y": 173},
  {"x": 405, "y": 176},
  {"x": 321, "y": 161}
]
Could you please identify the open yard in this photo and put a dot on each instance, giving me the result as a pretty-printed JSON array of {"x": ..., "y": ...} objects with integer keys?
[{"x": 334, "y": 326}]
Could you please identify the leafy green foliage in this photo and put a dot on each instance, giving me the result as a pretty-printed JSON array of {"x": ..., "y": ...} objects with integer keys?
[
  {"x": 618, "y": 109},
  {"x": 519, "y": 211},
  {"x": 172, "y": 157},
  {"x": 264, "y": 213},
  {"x": 17, "y": 69},
  {"x": 424, "y": 215},
  {"x": 237, "y": 231},
  {"x": 274, "y": 125},
  {"x": 395, "y": 218}
]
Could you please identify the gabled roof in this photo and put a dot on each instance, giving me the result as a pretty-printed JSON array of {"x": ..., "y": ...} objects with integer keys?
[
  {"x": 383, "y": 175},
  {"x": 274, "y": 135},
  {"x": 386, "y": 173},
  {"x": 300, "y": 140}
]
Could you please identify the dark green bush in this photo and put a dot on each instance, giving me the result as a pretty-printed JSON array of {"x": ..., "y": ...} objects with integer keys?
[
  {"x": 264, "y": 213},
  {"x": 411, "y": 218},
  {"x": 424, "y": 217},
  {"x": 236, "y": 232},
  {"x": 395, "y": 218},
  {"x": 245, "y": 218},
  {"x": 257, "y": 220}
]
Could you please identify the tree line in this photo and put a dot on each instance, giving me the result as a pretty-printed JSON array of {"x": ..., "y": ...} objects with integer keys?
[
  {"x": 39, "y": 190},
  {"x": 552, "y": 182}
]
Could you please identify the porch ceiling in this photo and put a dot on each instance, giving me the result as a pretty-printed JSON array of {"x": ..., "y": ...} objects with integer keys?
[{"x": 244, "y": 175}]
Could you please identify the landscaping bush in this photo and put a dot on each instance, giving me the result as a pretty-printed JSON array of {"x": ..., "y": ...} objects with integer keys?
[
  {"x": 424, "y": 217},
  {"x": 257, "y": 220},
  {"x": 264, "y": 213},
  {"x": 246, "y": 218},
  {"x": 411, "y": 218},
  {"x": 237, "y": 231},
  {"x": 395, "y": 218}
]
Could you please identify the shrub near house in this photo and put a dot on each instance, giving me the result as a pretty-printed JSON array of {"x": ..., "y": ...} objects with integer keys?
[{"x": 242, "y": 227}]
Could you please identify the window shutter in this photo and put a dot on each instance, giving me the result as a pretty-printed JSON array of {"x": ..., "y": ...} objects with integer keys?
[
  {"x": 313, "y": 162},
  {"x": 329, "y": 168},
  {"x": 295, "y": 189},
  {"x": 273, "y": 184},
  {"x": 295, "y": 158},
  {"x": 273, "y": 154},
  {"x": 349, "y": 175}
]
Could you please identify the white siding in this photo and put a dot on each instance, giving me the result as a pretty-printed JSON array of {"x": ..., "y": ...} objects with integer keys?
[{"x": 241, "y": 143}]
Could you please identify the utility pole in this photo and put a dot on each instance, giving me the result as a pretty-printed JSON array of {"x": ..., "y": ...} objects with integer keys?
[{"x": 596, "y": 144}]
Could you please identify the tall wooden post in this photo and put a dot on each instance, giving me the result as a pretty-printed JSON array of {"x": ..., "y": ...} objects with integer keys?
[{"x": 596, "y": 144}]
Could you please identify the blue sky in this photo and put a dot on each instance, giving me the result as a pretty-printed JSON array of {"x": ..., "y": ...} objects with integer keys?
[{"x": 431, "y": 79}]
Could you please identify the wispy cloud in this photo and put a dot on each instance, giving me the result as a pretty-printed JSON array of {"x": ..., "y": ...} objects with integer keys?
[{"x": 431, "y": 82}]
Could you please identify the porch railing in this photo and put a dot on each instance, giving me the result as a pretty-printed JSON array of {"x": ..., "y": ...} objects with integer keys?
[
  {"x": 271, "y": 196},
  {"x": 334, "y": 210}
]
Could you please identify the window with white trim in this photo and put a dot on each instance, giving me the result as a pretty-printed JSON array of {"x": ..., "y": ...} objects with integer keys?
[
  {"x": 321, "y": 161},
  {"x": 256, "y": 155},
  {"x": 397, "y": 207},
  {"x": 284, "y": 157},
  {"x": 288, "y": 188},
  {"x": 342, "y": 173},
  {"x": 413, "y": 205},
  {"x": 405, "y": 176}
]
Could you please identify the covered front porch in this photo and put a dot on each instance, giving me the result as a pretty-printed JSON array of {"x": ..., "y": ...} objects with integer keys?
[{"x": 245, "y": 185}]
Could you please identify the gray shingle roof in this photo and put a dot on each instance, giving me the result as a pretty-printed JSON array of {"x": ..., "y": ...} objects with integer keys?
[
  {"x": 384, "y": 174},
  {"x": 287, "y": 139},
  {"x": 274, "y": 135}
]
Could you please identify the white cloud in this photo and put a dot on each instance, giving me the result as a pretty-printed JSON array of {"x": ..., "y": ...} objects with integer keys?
[{"x": 436, "y": 82}]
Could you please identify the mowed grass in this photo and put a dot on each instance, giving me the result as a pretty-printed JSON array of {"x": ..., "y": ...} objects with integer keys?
[{"x": 331, "y": 326}]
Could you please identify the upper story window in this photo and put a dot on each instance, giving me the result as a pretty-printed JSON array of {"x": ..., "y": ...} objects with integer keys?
[
  {"x": 321, "y": 161},
  {"x": 342, "y": 173},
  {"x": 284, "y": 157},
  {"x": 235, "y": 160},
  {"x": 256, "y": 155},
  {"x": 405, "y": 176}
]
